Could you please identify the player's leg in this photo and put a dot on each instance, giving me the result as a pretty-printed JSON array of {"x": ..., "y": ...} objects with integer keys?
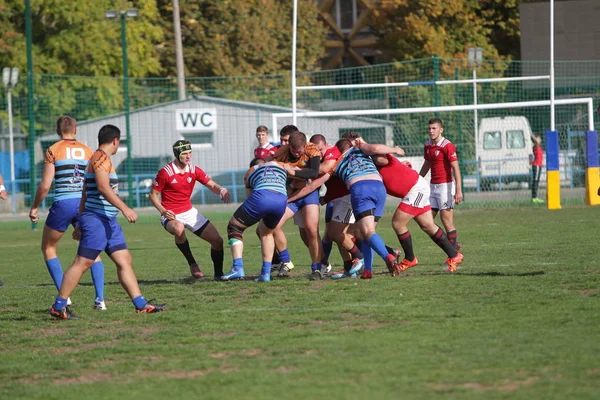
[
  {"x": 327, "y": 240},
  {"x": 271, "y": 213},
  {"x": 50, "y": 239},
  {"x": 235, "y": 232},
  {"x": 437, "y": 234},
  {"x": 400, "y": 222},
  {"x": 177, "y": 229},
  {"x": 310, "y": 214},
  {"x": 281, "y": 241},
  {"x": 446, "y": 192}
]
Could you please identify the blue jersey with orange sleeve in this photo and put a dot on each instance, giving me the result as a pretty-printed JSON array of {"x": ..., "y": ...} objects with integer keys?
[
  {"x": 95, "y": 201},
  {"x": 70, "y": 159}
]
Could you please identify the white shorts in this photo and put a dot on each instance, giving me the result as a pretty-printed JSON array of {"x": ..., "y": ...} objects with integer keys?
[
  {"x": 442, "y": 196},
  {"x": 191, "y": 219},
  {"x": 416, "y": 201},
  {"x": 342, "y": 210}
]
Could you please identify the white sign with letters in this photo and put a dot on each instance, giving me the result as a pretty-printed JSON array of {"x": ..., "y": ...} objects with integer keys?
[{"x": 196, "y": 119}]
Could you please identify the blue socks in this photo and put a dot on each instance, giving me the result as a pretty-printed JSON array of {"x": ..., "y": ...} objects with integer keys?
[
  {"x": 327, "y": 249},
  {"x": 284, "y": 256},
  {"x": 238, "y": 264},
  {"x": 266, "y": 268},
  {"x": 139, "y": 302},
  {"x": 377, "y": 244},
  {"x": 56, "y": 272},
  {"x": 367, "y": 255},
  {"x": 97, "y": 272},
  {"x": 60, "y": 303},
  {"x": 315, "y": 266}
]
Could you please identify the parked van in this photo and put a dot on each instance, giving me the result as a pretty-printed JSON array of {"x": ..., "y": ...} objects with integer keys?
[{"x": 503, "y": 149}]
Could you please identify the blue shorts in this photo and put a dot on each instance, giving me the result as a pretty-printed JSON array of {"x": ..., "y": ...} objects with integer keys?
[
  {"x": 62, "y": 214},
  {"x": 329, "y": 211},
  {"x": 99, "y": 233},
  {"x": 263, "y": 204},
  {"x": 311, "y": 198},
  {"x": 368, "y": 195}
]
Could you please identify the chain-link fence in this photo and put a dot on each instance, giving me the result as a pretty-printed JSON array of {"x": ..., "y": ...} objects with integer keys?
[{"x": 242, "y": 103}]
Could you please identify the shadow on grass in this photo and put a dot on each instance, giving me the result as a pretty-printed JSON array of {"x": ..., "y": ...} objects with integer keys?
[{"x": 494, "y": 273}]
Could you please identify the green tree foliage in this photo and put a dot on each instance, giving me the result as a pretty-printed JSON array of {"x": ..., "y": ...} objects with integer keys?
[{"x": 242, "y": 38}]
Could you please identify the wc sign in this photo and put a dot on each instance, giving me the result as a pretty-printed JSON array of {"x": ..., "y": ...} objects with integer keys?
[{"x": 196, "y": 119}]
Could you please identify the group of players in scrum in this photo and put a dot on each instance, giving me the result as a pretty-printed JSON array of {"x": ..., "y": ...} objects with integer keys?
[{"x": 282, "y": 183}]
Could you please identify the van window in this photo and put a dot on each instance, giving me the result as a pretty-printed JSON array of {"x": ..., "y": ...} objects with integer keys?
[
  {"x": 492, "y": 140},
  {"x": 515, "y": 139}
]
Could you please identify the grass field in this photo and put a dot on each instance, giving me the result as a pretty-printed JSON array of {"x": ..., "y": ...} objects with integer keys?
[{"x": 519, "y": 320}]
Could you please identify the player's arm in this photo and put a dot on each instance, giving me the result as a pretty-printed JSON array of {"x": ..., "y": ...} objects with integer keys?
[
  {"x": 220, "y": 190},
  {"x": 42, "y": 191},
  {"x": 326, "y": 166},
  {"x": 458, "y": 197},
  {"x": 425, "y": 168},
  {"x": 103, "y": 184},
  {"x": 3, "y": 193},
  {"x": 153, "y": 197},
  {"x": 374, "y": 149},
  {"x": 311, "y": 187},
  {"x": 311, "y": 170}
]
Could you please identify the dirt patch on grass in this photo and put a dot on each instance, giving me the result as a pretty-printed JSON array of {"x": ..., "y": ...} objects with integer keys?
[
  {"x": 506, "y": 386},
  {"x": 86, "y": 378},
  {"x": 285, "y": 370},
  {"x": 227, "y": 354},
  {"x": 374, "y": 325},
  {"x": 219, "y": 334},
  {"x": 588, "y": 292}
]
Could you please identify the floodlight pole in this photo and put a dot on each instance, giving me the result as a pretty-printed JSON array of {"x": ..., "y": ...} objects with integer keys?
[
  {"x": 475, "y": 57},
  {"x": 10, "y": 77},
  {"x": 178, "y": 51}
]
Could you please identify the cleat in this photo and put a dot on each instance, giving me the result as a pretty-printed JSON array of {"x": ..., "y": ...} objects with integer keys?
[
  {"x": 452, "y": 263},
  {"x": 404, "y": 265},
  {"x": 195, "y": 271},
  {"x": 326, "y": 268},
  {"x": 151, "y": 308},
  {"x": 285, "y": 269},
  {"x": 316, "y": 275},
  {"x": 391, "y": 263},
  {"x": 69, "y": 302},
  {"x": 275, "y": 267},
  {"x": 263, "y": 278},
  {"x": 65, "y": 313},
  {"x": 367, "y": 274},
  {"x": 396, "y": 253},
  {"x": 234, "y": 275},
  {"x": 357, "y": 265},
  {"x": 218, "y": 279},
  {"x": 99, "y": 305},
  {"x": 458, "y": 246},
  {"x": 343, "y": 274}
]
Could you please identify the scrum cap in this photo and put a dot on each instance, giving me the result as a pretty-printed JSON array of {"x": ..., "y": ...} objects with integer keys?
[{"x": 181, "y": 147}]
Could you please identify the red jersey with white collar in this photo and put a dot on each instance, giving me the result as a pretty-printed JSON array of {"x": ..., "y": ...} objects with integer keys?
[
  {"x": 397, "y": 177},
  {"x": 440, "y": 156},
  {"x": 332, "y": 153},
  {"x": 265, "y": 151},
  {"x": 176, "y": 186}
]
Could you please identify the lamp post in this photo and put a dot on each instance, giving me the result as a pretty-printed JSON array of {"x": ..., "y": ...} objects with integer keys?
[
  {"x": 123, "y": 15},
  {"x": 10, "y": 76}
]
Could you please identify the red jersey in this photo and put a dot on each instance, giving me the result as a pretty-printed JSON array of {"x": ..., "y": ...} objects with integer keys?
[
  {"x": 336, "y": 188},
  {"x": 176, "y": 186},
  {"x": 397, "y": 177},
  {"x": 332, "y": 153},
  {"x": 265, "y": 151},
  {"x": 440, "y": 156},
  {"x": 538, "y": 156}
]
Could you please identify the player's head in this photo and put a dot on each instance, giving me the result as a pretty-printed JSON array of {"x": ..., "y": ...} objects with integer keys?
[
  {"x": 109, "y": 134},
  {"x": 182, "y": 150},
  {"x": 536, "y": 139},
  {"x": 352, "y": 136},
  {"x": 257, "y": 161},
  {"x": 321, "y": 143},
  {"x": 436, "y": 128},
  {"x": 285, "y": 132},
  {"x": 262, "y": 134},
  {"x": 66, "y": 125},
  {"x": 380, "y": 160},
  {"x": 343, "y": 145},
  {"x": 297, "y": 144}
]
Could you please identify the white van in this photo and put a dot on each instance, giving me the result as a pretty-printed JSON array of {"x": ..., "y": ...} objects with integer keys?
[{"x": 503, "y": 148}]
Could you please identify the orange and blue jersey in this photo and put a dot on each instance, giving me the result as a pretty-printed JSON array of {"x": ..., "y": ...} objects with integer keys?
[
  {"x": 95, "y": 201},
  {"x": 269, "y": 176},
  {"x": 354, "y": 163},
  {"x": 70, "y": 158}
]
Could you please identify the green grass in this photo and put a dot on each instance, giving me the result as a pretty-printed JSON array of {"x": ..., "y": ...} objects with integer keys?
[{"x": 520, "y": 320}]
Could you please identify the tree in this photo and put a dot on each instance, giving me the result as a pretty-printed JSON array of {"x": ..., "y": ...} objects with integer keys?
[
  {"x": 413, "y": 29},
  {"x": 242, "y": 38}
]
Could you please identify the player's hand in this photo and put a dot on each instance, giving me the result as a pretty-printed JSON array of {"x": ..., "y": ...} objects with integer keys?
[
  {"x": 168, "y": 214},
  {"x": 4, "y": 195},
  {"x": 407, "y": 163},
  {"x": 130, "y": 215},
  {"x": 399, "y": 150},
  {"x": 76, "y": 233},
  {"x": 458, "y": 197},
  {"x": 289, "y": 169},
  {"x": 33, "y": 215},
  {"x": 225, "y": 196}
]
